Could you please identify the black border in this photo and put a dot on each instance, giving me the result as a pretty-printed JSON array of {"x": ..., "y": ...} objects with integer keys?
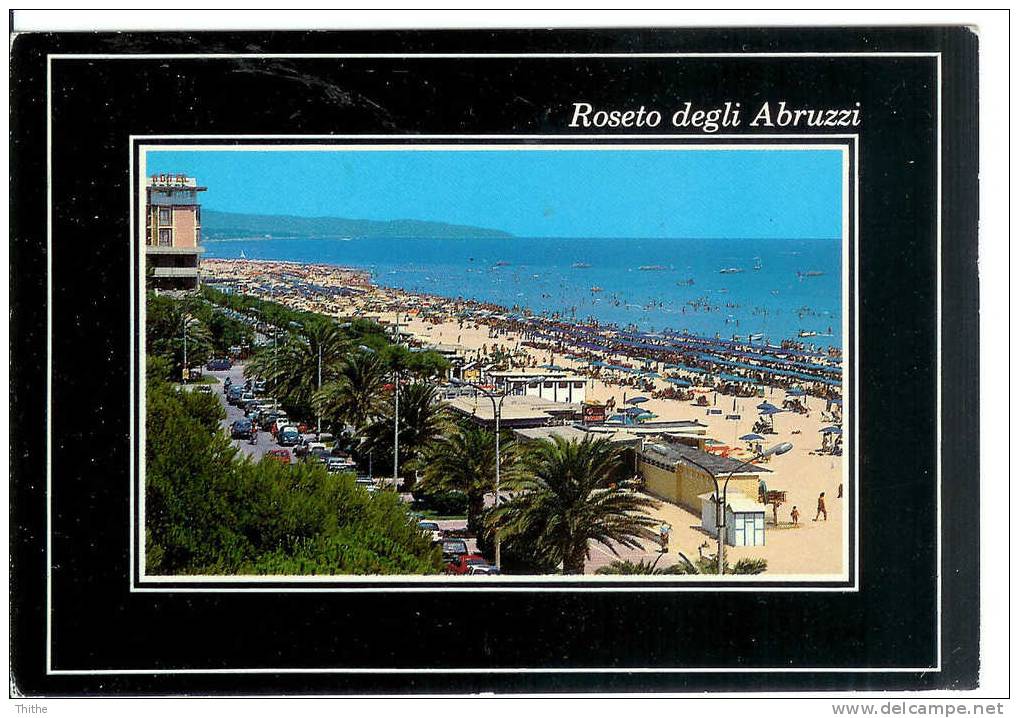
[{"x": 960, "y": 384}]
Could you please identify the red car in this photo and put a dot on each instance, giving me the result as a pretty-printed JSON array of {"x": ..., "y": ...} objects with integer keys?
[
  {"x": 461, "y": 565},
  {"x": 280, "y": 455}
]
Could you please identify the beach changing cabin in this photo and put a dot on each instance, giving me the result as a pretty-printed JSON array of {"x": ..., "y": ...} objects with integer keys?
[
  {"x": 744, "y": 519},
  {"x": 681, "y": 473}
]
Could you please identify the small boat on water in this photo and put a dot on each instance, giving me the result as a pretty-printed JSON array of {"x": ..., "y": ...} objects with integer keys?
[
  {"x": 595, "y": 290},
  {"x": 653, "y": 268},
  {"x": 731, "y": 270},
  {"x": 811, "y": 273},
  {"x": 685, "y": 282},
  {"x": 757, "y": 264},
  {"x": 804, "y": 333},
  {"x": 581, "y": 265},
  {"x": 502, "y": 263}
]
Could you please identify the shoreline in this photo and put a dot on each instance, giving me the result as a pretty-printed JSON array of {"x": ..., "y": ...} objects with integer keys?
[{"x": 685, "y": 356}]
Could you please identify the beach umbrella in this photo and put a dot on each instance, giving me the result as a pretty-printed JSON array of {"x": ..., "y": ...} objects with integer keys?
[
  {"x": 794, "y": 392},
  {"x": 770, "y": 411},
  {"x": 751, "y": 437},
  {"x": 837, "y": 430},
  {"x": 765, "y": 406},
  {"x": 678, "y": 382},
  {"x": 637, "y": 400}
]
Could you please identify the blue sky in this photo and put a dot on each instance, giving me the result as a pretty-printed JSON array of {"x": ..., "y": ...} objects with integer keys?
[{"x": 536, "y": 193}]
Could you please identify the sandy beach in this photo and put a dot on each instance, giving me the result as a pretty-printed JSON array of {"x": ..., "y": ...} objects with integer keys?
[{"x": 808, "y": 549}]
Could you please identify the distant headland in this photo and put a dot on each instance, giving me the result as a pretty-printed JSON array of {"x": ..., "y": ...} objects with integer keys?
[{"x": 218, "y": 226}]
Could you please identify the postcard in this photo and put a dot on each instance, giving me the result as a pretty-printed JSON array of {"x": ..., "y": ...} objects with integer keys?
[{"x": 362, "y": 338}]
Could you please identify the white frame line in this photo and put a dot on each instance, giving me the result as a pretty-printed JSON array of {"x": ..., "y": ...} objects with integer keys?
[{"x": 938, "y": 331}]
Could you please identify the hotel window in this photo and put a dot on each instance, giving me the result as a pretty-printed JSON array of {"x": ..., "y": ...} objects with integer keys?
[
  {"x": 164, "y": 216},
  {"x": 165, "y": 238},
  {"x": 198, "y": 215}
]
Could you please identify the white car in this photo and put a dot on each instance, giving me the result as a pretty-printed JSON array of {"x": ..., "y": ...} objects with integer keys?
[
  {"x": 432, "y": 529},
  {"x": 367, "y": 484},
  {"x": 338, "y": 464}
]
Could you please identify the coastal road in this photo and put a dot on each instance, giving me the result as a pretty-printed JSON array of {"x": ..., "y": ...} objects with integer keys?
[{"x": 233, "y": 413}]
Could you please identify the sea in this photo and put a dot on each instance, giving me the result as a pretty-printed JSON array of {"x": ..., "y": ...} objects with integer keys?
[{"x": 773, "y": 289}]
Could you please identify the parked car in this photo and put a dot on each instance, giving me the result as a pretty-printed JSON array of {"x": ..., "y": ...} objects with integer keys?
[
  {"x": 462, "y": 563},
  {"x": 483, "y": 570},
  {"x": 336, "y": 465},
  {"x": 234, "y": 394},
  {"x": 258, "y": 386},
  {"x": 249, "y": 406},
  {"x": 268, "y": 419},
  {"x": 432, "y": 529},
  {"x": 452, "y": 548},
  {"x": 221, "y": 364},
  {"x": 240, "y": 429},
  {"x": 287, "y": 436},
  {"x": 319, "y": 452},
  {"x": 280, "y": 455},
  {"x": 367, "y": 484}
]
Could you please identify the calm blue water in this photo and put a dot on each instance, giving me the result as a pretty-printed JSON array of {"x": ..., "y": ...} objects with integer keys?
[{"x": 544, "y": 275}]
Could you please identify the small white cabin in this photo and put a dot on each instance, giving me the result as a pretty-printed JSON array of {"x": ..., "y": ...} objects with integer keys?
[{"x": 744, "y": 519}]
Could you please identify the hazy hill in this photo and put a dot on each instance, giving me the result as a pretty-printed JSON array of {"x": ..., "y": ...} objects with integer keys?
[{"x": 229, "y": 225}]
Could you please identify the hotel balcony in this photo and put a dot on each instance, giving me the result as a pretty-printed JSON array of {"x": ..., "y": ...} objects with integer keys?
[
  {"x": 168, "y": 272},
  {"x": 154, "y": 249}
]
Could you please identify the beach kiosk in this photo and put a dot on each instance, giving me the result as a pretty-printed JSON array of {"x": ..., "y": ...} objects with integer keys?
[{"x": 744, "y": 520}]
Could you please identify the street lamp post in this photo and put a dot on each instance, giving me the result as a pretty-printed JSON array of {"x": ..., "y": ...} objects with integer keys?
[
  {"x": 320, "y": 385},
  {"x": 396, "y": 428},
  {"x": 396, "y": 412},
  {"x": 184, "y": 375},
  {"x": 722, "y": 498},
  {"x": 497, "y": 414}
]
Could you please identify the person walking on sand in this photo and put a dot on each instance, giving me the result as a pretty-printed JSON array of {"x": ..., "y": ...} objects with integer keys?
[
  {"x": 663, "y": 534},
  {"x": 795, "y": 516},
  {"x": 821, "y": 508},
  {"x": 839, "y": 496}
]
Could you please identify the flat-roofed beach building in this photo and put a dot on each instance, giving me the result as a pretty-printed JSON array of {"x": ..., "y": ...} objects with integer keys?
[
  {"x": 173, "y": 232},
  {"x": 515, "y": 411},
  {"x": 560, "y": 387}
]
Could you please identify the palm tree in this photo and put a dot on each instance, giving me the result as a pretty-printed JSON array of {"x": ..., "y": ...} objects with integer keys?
[
  {"x": 569, "y": 493},
  {"x": 422, "y": 422},
  {"x": 167, "y": 322},
  {"x": 643, "y": 568},
  {"x": 291, "y": 369},
  {"x": 355, "y": 395},
  {"x": 464, "y": 461}
]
